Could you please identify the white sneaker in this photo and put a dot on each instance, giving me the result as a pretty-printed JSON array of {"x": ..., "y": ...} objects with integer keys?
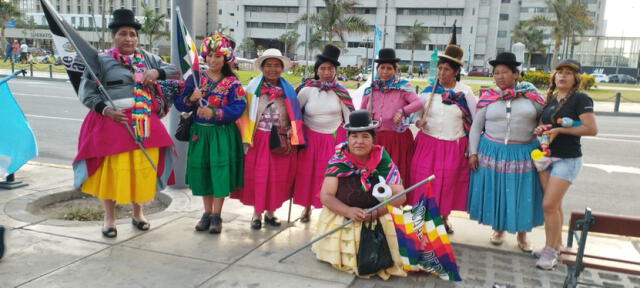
[
  {"x": 548, "y": 259},
  {"x": 537, "y": 253}
]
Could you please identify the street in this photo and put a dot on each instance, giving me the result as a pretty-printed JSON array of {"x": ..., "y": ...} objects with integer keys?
[{"x": 609, "y": 181}]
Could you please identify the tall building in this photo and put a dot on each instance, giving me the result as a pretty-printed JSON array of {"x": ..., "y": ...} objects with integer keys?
[{"x": 484, "y": 27}]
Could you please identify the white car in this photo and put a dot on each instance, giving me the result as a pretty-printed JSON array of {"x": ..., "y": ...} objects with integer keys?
[{"x": 600, "y": 77}]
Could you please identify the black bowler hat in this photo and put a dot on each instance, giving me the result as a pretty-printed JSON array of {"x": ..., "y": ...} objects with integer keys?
[
  {"x": 570, "y": 63},
  {"x": 330, "y": 53},
  {"x": 360, "y": 120},
  {"x": 506, "y": 58},
  {"x": 124, "y": 17},
  {"x": 387, "y": 55}
]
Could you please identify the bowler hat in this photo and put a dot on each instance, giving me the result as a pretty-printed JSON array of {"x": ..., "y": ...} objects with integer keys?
[
  {"x": 360, "y": 120},
  {"x": 453, "y": 51},
  {"x": 330, "y": 53},
  {"x": 387, "y": 55},
  {"x": 506, "y": 58},
  {"x": 124, "y": 17}
]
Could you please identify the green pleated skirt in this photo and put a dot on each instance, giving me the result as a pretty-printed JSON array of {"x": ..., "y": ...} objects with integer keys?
[{"x": 215, "y": 161}]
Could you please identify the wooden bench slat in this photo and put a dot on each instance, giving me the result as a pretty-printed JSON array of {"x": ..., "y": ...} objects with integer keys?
[
  {"x": 603, "y": 264},
  {"x": 610, "y": 224},
  {"x": 573, "y": 251}
]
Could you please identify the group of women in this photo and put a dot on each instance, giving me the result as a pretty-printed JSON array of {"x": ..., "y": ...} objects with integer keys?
[{"x": 268, "y": 141}]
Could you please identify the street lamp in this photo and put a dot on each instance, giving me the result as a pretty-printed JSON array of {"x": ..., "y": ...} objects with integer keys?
[{"x": 366, "y": 41}]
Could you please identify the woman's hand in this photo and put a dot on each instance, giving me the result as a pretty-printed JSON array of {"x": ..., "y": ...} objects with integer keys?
[
  {"x": 541, "y": 129},
  {"x": 356, "y": 214},
  {"x": 421, "y": 124},
  {"x": 397, "y": 118},
  {"x": 553, "y": 133},
  {"x": 150, "y": 77},
  {"x": 205, "y": 112},
  {"x": 115, "y": 115},
  {"x": 197, "y": 95},
  {"x": 473, "y": 162}
]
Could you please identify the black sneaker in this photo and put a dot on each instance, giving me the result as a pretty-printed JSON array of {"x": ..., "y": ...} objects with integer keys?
[
  {"x": 272, "y": 221},
  {"x": 1, "y": 241},
  {"x": 204, "y": 223},
  {"x": 216, "y": 224}
]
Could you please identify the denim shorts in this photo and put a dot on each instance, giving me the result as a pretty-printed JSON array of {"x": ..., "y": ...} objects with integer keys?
[{"x": 565, "y": 168}]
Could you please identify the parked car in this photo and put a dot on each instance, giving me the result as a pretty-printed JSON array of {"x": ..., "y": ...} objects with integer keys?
[
  {"x": 600, "y": 77},
  {"x": 463, "y": 72},
  {"x": 486, "y": 72},
  {"x": 622, "y": 78}
]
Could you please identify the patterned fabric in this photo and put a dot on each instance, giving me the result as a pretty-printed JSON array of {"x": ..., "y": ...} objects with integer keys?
[
  {"x": 219, "y": 44},
  {"x": 394, "y": 84},
  {"x": 141, "y": 94},
  {"x": 217, "y": 93},
  {"x": 341, "y": 91},
  {"x": 450, "y": 97},
  {"x": 342, "y": 164},
  {"x": 505, "y": 166},
  {"x": 247, "y": 123},
  {"x": 522, "y": 90},
  {"x": 274, "y": 92},
  {"x": 168, "y": 91},
  {"x": 422, "y": 239}
]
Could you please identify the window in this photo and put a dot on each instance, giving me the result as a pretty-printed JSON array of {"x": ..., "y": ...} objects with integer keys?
[
  {"x": 478, "y": 56},
  {"x": 504, "y": 17},
  {"x": 81, "y": 22},
  {"x": 408, "y": 47},
  {"x": 364, "y": 11},
  {"x": 271, "y": 9},
  {"x": 440, "y": 47},
  {"x": 524, "y": 9},
  {"x": 431, "y": 11},
  {"x": 500, "y": 50},
  {"x": 471, "y": 30},
  {"x": 219, "y": 11},
  {"x": 502, "y": 34},
  {"x": 506, "y": 1},
  {"x": 266, "y": 25}
]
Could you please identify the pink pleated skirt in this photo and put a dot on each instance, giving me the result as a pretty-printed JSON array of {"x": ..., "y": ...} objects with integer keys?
[
  {"x": 445, "y": 159},
  {"x": 312, "y": 165},
  {"x": 268, "y": 177},
  {"x": 400, "y": 147}
]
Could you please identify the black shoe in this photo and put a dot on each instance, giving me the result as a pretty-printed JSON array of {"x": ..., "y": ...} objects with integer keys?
[
  {"x": 141, "y": 225},
  {"x": 272, "y": 221},
  {"x": 1, "y": 241},
  {"x": 110, "y": 232},
  {"x": 256, "y": 224},
  {"x": 204, "y": 222},
  {"x": 216, "y": 224},
  {"x": 448, "y": 228}
]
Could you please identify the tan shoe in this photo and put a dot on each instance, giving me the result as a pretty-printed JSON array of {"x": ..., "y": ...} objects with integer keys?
[
  {"x": 525, "y": 246},
  {"x": 497, "y": 238}
]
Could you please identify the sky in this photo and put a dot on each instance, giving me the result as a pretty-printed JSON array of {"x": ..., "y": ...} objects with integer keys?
[{"x": 621, "y": 16}]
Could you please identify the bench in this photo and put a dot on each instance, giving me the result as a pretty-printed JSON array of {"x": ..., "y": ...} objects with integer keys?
[{"x": 576, "y": 259}]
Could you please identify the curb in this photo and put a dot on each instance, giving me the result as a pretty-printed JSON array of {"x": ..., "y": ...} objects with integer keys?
[
  {"x": 619, "y": 114},
  {"x": 38, "y": 78}
]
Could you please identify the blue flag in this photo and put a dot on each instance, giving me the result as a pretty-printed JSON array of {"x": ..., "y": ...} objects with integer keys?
[
  {"x": 17, "y": 141},
  {"x": 378, "y": 39}
]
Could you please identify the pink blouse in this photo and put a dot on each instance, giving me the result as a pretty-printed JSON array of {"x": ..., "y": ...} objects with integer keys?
[{"x": 385, "y": 106}]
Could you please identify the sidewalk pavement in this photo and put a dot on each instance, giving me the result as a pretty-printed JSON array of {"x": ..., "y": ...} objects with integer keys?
[{"x": 57, "y": 253}]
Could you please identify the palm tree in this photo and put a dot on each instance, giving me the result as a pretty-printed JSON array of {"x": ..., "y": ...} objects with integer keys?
[
  {"x": 248, "y": 46},
  {"x": 532, "y": 38},
  {"x": 7, "y": 11},
  {"x": 315, "y": 41},
  {"x": 289, "y": 39},
  {"x": 571, "y": 19},
  {"x": 334, "y": 21},
  {"x": 153, "y": 24},
  {"x": 416, "y": 35}
]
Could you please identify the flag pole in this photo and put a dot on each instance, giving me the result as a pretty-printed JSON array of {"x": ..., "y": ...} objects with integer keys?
[
  {"x": 100, "y": 87},
  {"x": 11, "y": 76},
  {"x": 190, "y": 63},
  {"x": 373, "y": 66},
  {"x": 385, "y": 202}
]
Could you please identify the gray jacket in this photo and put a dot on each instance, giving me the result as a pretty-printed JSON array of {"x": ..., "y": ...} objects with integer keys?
[{"x": 118, "y": 80}]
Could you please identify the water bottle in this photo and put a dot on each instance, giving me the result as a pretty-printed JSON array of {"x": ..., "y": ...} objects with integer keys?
[{"x": 568, "y": 122}]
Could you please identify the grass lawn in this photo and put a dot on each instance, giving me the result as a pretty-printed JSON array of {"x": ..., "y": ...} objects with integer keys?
[{"x": 36, "y": 67}]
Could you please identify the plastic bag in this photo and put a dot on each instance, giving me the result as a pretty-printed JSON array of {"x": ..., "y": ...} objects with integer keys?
[{"x": 374, "y": 254}]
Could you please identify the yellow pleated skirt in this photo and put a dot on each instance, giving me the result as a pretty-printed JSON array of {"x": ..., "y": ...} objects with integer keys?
[
  {"x": 340, "y": 249},
  {"x": 126, "y": 177}
]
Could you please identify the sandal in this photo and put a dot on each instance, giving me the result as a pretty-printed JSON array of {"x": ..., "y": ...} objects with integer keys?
[
  {"x": 525, "y": 246},
  {"x": 141, "y": 225},
  {"x": 497, "y": 238},
  {"x": 109, "y": 232},
  {"x": 272, "y": 221},
  {"x": 306, "y": 216}
]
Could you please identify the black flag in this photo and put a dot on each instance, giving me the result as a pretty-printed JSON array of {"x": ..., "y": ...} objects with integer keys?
[{"x": 66, "y": 41}]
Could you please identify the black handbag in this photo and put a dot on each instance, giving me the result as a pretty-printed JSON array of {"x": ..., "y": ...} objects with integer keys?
[
  {"x": 374, "y": 254},
  {"x": 184, "y": 128}
]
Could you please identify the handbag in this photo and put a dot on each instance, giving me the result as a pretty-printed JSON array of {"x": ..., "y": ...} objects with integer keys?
[
  {"x": 184, "y": 127},
  {"x": 374, "y": 254},
  {"x": 280, "y": 140}
]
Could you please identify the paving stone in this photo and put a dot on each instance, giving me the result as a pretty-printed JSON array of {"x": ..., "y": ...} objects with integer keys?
[
  {"x": 529, "y": 282},
  {"x": 236, "y": 240},
  {"x": 502, "y": 267},
  {"x": 502, "y": 259},
  {"x": 634, "y": 279},
  {"x": 237, "y": 276},
  {"x": 612, "y": 285},
  {"x": 125, "y": 267},
  {"x": 504, "y": 277},
  {"x": 478, "y": 272},
  {"x": 31, "y": 254},
  {"x": 609, "y": 276}
]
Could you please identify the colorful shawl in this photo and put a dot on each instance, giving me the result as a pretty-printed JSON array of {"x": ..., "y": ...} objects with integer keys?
[
  {"x": 450, "y": 97},
  {"x": 142, "y": 95},
  {"x": 342, "y": 164},
  {"x": 394, "y": 84},
  {"x": 341, "y": 91},
  {"x": 248, "y": 120},
  {"x": 522, "y": 90}
]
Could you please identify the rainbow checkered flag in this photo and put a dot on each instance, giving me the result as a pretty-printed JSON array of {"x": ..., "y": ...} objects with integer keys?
[
  {"x": 422, "y": 239},
  {"x": 189, "y": 61}
]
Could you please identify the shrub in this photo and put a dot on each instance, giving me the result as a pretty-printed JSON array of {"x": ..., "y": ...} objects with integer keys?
[
  {"x": 539, "y": 79},
  {"x": 83, "y": 214},
  {"x": 588, "y": 82}
]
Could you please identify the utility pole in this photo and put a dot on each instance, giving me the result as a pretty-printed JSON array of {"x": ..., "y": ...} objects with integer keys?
[
  {"x": 186, "y": 8},
  {"x": 306, "y": 42},
  {"x": 384, "y": 33}
]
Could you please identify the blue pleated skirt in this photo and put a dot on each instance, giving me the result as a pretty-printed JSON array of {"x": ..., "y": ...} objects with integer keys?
[{"x": 505, "y": 190}]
